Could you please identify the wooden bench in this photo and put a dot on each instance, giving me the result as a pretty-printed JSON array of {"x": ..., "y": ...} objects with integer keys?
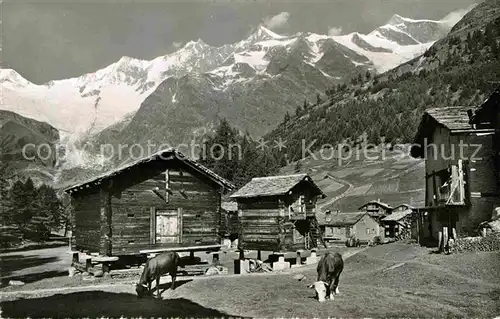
[
  {"x": 212, "y": 249},
  {"x": 91, "y": 259}
]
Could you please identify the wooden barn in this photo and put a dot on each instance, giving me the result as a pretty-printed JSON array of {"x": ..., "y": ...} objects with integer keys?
[
  {"x": 487, "y": 116},
  {"x": 162, "y": 202},
  {"x": 376, "y": 209},
  {"x": 460, "y": 173},
  {"x": 278, "y": 213},
  {"x": 339, "y": 226},
  {"x": 399, "y": 224}
]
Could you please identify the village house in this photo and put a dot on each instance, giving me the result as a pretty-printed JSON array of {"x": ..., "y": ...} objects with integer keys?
[
  {"x": 376, "y": 209},
  {"x": 337, "y": 226},
  {"x": 278, "y": 213},
  {"x": 162, "y": 202},
  {"x": 460, "y": 173}
]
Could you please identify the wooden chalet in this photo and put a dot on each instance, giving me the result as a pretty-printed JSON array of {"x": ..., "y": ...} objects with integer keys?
[
  {"x": 278, "y": 213},
  {"x": 162, "y": 202},
  {"x": 341, "y": 226},
  {"x": 376, "y": 209},
  {"x": 461, "y": 183},
  {"x": 487, "y": 116}
]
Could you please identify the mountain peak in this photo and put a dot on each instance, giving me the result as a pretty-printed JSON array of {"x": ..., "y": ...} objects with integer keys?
[
  {"x": 397, "y": 19},
  {"x": 262, "y": 33},
  {"x": 198, "y": 42},
  {"x": 11, "y": 76}
]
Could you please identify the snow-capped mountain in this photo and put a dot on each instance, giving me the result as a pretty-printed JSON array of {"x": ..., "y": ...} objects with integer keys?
[{"x": 88, "y": 104}]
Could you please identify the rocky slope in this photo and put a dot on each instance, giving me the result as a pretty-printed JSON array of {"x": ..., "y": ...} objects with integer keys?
[
  {"x": 463, "y": 68},
  {"x": 28, "y": 147}
]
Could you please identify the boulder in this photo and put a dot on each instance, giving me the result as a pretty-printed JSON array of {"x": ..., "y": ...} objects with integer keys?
[
  {"x": 16, "y": 283},
  {"x": 216, "y": 270}
]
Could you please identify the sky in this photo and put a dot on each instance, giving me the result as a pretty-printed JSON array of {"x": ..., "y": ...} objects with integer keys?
[{"x": 49, "y": 40}]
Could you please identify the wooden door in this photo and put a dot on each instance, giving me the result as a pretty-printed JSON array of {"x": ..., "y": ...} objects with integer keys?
[
  {"x": 167, "y": 226},
  {"x": 297, "y": 236}
]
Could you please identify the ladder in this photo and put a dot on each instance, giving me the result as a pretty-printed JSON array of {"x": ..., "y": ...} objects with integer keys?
[{"x": 315, "y": 226}]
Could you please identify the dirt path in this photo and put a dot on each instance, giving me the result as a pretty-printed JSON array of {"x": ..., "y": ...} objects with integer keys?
[{"x": 350, "y": 188}]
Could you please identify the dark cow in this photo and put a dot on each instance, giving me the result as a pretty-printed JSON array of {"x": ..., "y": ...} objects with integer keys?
[
  {"x": 156, "y": 267},
  {"x": 329, "y": 268}
]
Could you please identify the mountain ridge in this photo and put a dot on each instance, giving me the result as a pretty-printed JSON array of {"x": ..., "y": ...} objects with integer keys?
[{"x": 104, "y": 97}]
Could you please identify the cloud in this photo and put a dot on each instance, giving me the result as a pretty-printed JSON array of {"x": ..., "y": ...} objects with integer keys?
[
  {"x": 277, "y": 21},
  {"x": 453, "y": 17},
  {"x": 334, "y": 31},
  {"x": 176, "y": 44}
]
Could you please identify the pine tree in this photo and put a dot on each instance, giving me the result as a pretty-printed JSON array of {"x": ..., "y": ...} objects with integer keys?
[
  {"x": 5, "y": 202},
  {"x": 51, "y": 210},
  {"x": 25, "y": 206},
  {"x": 306, "y": 105},
  {"x": 360, "y": 78},
  {"x": 298, "y": 111},
  {"x": 318, "y": 99},
  {"x": 298, "y": 166},
  {"x": 286, "y": 118}
]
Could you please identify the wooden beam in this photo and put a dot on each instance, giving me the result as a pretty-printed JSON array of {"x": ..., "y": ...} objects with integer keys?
[
  {"x": 179, "y": 224},
  {"x": 106, "y": 232},
  {"x": 461, "y": 181},
  {"x": 152, "y": 225},
  {"x": 167, "y": 185}
]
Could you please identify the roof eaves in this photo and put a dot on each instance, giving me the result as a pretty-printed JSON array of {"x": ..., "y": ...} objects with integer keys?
[{"x": 171, "y": 154}]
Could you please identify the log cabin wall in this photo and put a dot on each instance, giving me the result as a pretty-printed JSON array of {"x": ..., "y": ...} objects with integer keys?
[
  {"x": 134, "y": 204},
  {"x": 86, "y": 226},
  {"x": 261, "y": 223},
  {"x": 265, "y": 222},
  {"x": 481, "y": 185}
]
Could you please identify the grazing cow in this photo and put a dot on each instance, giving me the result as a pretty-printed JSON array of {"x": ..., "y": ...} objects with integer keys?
[
  {"x": 329, "y": 269},
  {"x": 154, "y": 269}
]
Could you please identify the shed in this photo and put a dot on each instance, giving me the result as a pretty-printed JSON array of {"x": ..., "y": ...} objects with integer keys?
[
  {"x": 461, "y": 184},
  {"x": 341, "y": 226},
  {"x": 398, "y": 224},
  {"x": 278, "y": 213},
  {"x": 163, "y": 201}
]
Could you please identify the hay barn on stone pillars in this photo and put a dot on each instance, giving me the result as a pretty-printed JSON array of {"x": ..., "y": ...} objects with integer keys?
[
  {"x": 461, "y": 189},
  {"x": 278, "y": 214},
  {"x": 159, "y": 203}
]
